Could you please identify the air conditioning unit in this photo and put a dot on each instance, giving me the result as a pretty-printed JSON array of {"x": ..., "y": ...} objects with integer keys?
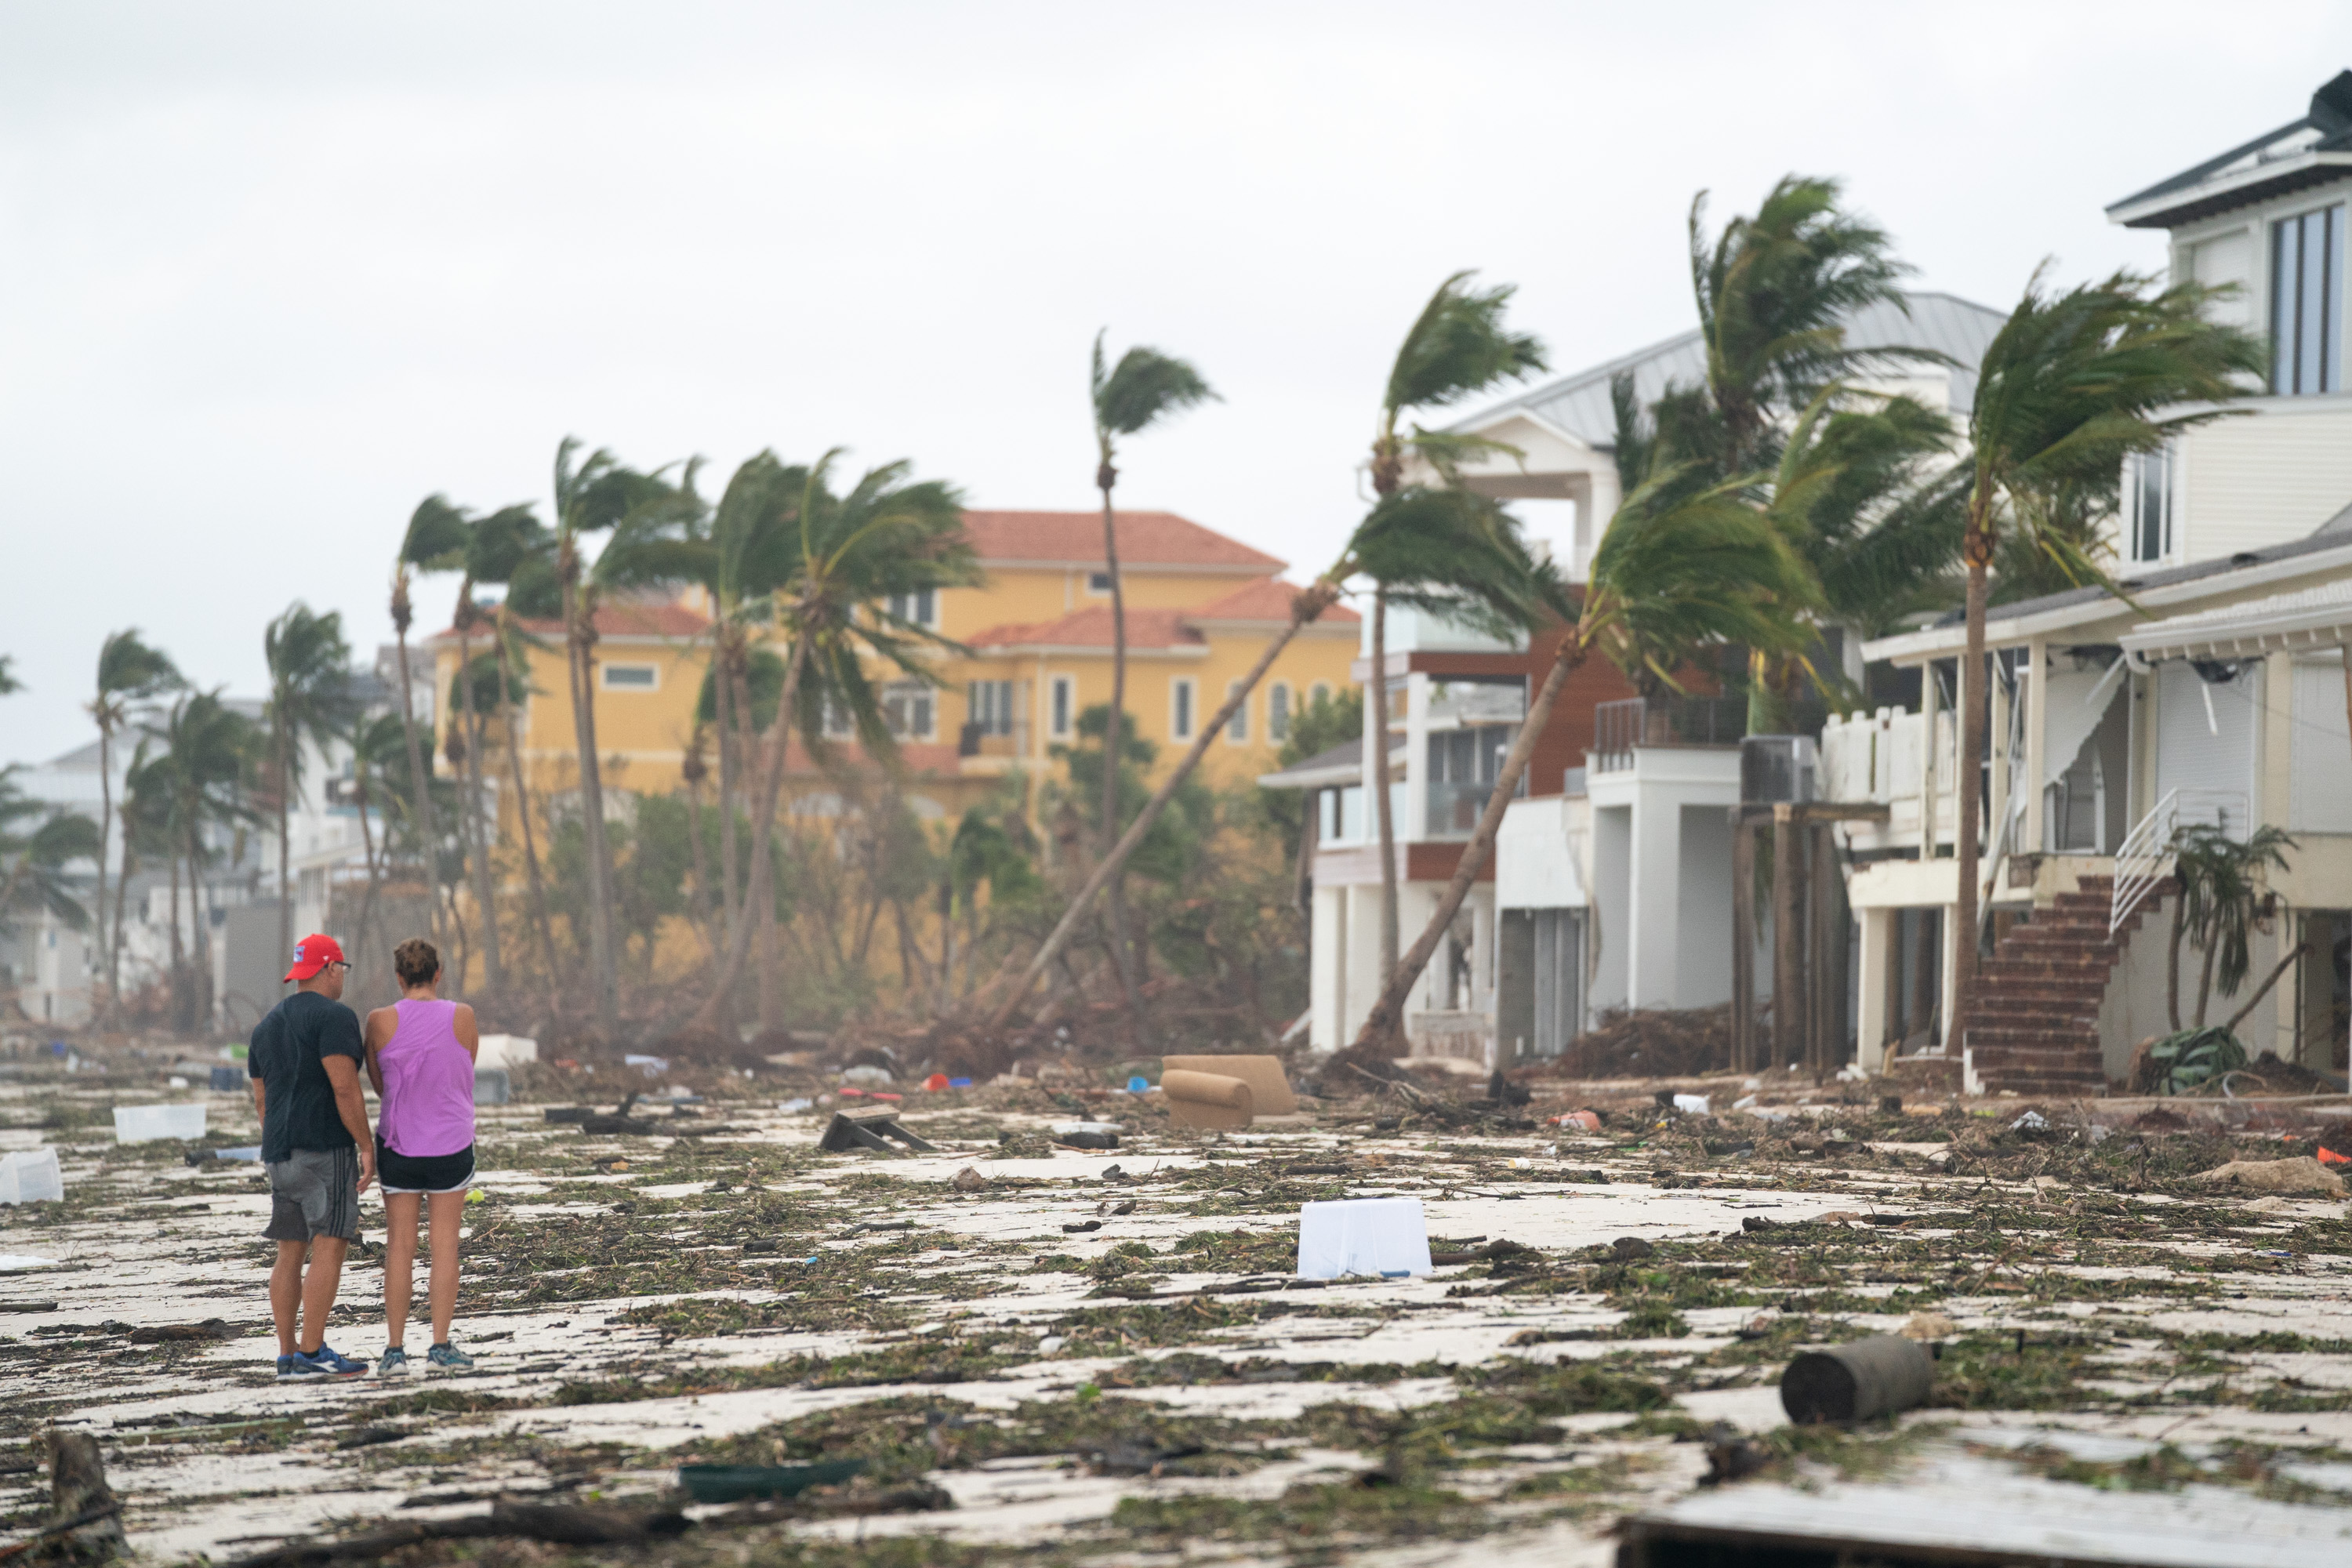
[{"x": 1776, "y": 768}]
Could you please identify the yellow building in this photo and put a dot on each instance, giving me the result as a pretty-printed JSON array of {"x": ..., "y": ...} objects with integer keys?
[{"x": 1200, "y": 610}]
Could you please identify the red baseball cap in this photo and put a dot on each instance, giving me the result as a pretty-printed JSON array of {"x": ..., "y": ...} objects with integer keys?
[{"x": 312, "y": 953}]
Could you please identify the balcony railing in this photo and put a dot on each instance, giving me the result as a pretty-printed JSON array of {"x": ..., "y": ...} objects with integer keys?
[{"x": 1619, "y": 728}]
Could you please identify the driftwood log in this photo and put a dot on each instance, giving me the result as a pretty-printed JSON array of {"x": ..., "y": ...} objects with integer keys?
[{"x": 563, "y": 1524}]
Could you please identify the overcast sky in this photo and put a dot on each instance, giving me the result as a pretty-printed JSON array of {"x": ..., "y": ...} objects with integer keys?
[{"x": 269, "y": 274}]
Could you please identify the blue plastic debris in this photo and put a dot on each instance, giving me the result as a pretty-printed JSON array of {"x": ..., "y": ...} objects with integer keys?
[
  {"x": 958, "y": 1083},
  {"x": 1139, "y": 1084}
]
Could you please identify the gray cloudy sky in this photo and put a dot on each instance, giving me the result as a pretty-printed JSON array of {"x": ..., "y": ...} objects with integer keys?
[{"x": 270, "y": 273}]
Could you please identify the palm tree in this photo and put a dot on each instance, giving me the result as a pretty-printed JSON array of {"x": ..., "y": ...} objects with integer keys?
[
  {"x": 2073, "y": 383},
  {"x": 596, "y": 495},
  {"x": 1774, "y": 292},
  {"x": 202, "y": 780},
  {"x": 1456, "y": 348},
  {"x": 1674, "y": 572},
  {"x": 8, "y": 681},
  {"x": 309, "y": 700},
  {"x": 36, "y": 860},
  {"x": 130, "y": 674},
  {"x": 435, "y": 542},
  {"x": 888, "y": 539},
  {"x": 376, "y": 744},
  {"x": 1145, "y": 387}
]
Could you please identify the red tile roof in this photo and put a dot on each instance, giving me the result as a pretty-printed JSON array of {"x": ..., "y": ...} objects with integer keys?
[
  {"x": 1267, "y": 599},
  {"x": 1090, "y": 627},
  {"x": 673, "y": 623},
  {"x": 1145, "y": 539}
]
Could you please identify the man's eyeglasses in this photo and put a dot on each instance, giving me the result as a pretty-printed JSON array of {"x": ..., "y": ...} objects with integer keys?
[{"x": 338, "y": 965}]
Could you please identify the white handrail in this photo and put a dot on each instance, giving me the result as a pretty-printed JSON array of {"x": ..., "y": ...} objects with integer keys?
[
  {"x": 2144, "y": 857},
  {"x": 2141, "y": 859}
]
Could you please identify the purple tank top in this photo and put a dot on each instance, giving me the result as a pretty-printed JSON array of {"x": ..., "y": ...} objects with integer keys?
[{"x": 428, "y": 1083}]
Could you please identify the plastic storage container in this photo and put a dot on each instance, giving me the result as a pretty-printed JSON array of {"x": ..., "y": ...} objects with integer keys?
[
  {"x": 31, "y": 1177},
  {"x": 1362, "y": 1235},
  {"x": 142, "y": 1123},
  {"x": 229, "y": 1080},
  {"x": 492, "y": 1086}
]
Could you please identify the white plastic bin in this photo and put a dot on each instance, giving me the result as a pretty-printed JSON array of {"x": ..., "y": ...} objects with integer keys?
[
  {"x": 31, "y": 1177},
  {"x": 1362, "y": 1235},
  {"x": 506, "y": 1051},
  {"x": 142, "y": 1124}
]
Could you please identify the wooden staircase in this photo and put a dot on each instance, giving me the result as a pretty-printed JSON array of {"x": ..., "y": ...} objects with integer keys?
[{"x": 2036, "y": 1028}]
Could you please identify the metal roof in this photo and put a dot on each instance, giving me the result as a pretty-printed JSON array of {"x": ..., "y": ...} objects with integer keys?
[
  {"x": 1579, "y": 404},
  {"x": 2312, "y": 150},
  {"x": 2303, "y": 618},
  {"x": 1342, "y": 764}
]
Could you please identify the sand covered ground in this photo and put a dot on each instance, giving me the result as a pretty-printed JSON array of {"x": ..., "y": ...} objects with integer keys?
[{"x": 1103, "y": 1356}]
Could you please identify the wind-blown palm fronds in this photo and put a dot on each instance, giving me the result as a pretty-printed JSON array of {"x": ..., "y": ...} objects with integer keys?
[
  {"x": 130, "y": 673},
  {"x": 309, "y": 701}
]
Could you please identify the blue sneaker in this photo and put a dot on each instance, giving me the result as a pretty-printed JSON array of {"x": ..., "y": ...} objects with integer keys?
[
  {"x": 449, "y": 1358},
  {"x": 393, "y": 1362},
  {"x": 284, "y": 1366},
  {"x": 325, "y": 1362}
]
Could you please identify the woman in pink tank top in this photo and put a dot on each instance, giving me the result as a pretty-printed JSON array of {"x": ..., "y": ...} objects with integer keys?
[{"x": 420, "y": 1057}]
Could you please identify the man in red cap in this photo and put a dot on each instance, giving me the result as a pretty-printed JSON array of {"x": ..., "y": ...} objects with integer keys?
[{"x": 304, "y": 1060}]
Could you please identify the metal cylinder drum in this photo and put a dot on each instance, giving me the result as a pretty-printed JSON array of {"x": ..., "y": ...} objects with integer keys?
[{"x": 1881, "y": 1375}]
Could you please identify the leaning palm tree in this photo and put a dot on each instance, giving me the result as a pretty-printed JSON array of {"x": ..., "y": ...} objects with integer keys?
[
  {"x": 1463, "y": 556},
  {"x": 1457, "y": 348},
  {"x": 888, "y": 539},
  {"x": 309, "y": 701},
  {"x": 1145, "y": 387},
  {"x": 2073, "y": 383},
  {"x": 130, "y": 673},
  {"x": 435, "y": 542},
  {"x": 1674, "y": 573},
  {"x": 202, "y": 781}
]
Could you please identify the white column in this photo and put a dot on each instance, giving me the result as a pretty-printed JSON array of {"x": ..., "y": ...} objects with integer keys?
[
  {"x": 2037, "y": 719},
  {"x": 2274, "y": 787},
  {"x": 1927, "y": 780},
  {"x": 1997, "y": 796},
  {"x": 1652, "y": 903},
  {"x": 1870, "y": 1012}
]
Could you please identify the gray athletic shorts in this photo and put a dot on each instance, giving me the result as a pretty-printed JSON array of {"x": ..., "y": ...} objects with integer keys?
[{"x": 315, "y": 1192}]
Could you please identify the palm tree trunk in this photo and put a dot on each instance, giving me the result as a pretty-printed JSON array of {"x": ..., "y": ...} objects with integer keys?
[
  {"x": 1376, "y": 734},
  {"x": 1976, "y": 719},
  {"x": 2172, "y": 967},
  {"x": 580, "y": 639},
  {"x": 485, "y": 891},
  {"x": 179, "y": 958},
  {"x": 715, "y": 1009},
  {"x": 1121, "y": 952},
  {"x": 121, "y": 896},
  {"x": 730, "y": 783},
  {"x": 367, "y": 850},
  {"x": 106, "y": 831},
  {"x": 420, "y": 787},
  {"x": 702, "y": 906},
  {"x": 544, "y": 920},
  {"x": 1309, "y": 604},
  {"x": 285, "y": 844},
  {"x": 2205, "y": 974},
  {"x": 1387, "y": 1016}
]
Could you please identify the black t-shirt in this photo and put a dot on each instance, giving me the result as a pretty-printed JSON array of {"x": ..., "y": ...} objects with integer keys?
[{"x": 297, "y": 1102}]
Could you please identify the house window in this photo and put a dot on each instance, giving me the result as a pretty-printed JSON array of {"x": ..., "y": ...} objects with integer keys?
[
  {"x": 2148, "y": 488},
  {"x": 837, "y": 726},
  {"x": 921, "y": 609},
  {"x": 1181, "y": 692},
  {"x": 1236, "y": 727},
  {"x": 2307, "y": 303},
  {"x": 991, "y": 707},
  {"x": 1098, "y": 582},
  {"x": 1320, "y": 692},
  {"x": 1060, "y": 698},
  {"x": 1278, "y": 712},
  {"x": 906, "y": 710},
  {"x": 631, "y": 677}
]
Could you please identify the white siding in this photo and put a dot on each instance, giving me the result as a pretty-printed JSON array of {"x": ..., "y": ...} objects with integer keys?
[
  {"x": 2319, "y": 795},
  {"x": 2227, "y": 258},
  {"x": 2251, "y": 483}
]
